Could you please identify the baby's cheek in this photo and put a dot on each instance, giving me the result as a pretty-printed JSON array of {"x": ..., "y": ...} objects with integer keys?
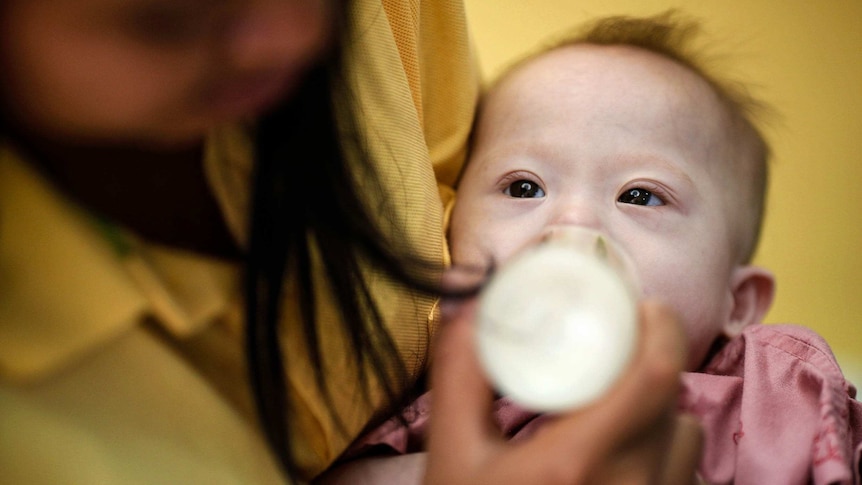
[
  {"x": 680, "y": 297},
  {"x": 468, "y": 251},
  {"x": 476, "y": 243},
  {"x": 702, "y": 322}
]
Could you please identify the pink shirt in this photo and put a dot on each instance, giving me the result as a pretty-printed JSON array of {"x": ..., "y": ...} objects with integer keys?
[{"x": 773, "y": 402}]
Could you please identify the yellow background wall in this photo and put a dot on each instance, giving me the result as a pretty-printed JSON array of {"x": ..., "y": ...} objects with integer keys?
[{"x": 805, "y": 59}]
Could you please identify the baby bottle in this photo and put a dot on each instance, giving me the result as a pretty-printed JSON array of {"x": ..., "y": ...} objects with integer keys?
[{"x": 557, "y": 324}]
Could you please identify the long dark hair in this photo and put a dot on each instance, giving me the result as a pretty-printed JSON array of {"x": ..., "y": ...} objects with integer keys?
[{"x": 305, "y": 200}]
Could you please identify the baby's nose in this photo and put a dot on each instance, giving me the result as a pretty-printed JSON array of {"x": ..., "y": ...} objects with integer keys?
[
  {"x": 577, "y": 214},
  {"x": 572, "y": 235}
]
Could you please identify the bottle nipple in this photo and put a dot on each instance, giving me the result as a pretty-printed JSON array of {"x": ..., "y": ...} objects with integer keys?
[{"x": 557, "y": 324}]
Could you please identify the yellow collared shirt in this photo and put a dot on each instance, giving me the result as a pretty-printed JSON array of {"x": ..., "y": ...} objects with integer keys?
[{"x": 127, "y": 367}]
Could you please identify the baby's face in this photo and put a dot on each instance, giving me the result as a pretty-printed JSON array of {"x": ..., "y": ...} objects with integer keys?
[{"x": 616, "y": 139}]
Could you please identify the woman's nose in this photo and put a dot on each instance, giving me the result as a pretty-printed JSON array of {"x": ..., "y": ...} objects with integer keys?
[{"x": 278, "y": 34}]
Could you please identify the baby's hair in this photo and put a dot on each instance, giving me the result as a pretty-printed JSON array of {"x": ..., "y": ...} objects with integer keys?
[{"x": 670, "y": 35}]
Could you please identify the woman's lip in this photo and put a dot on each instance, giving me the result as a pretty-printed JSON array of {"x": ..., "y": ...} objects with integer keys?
[{"x": 249, "y": 95}]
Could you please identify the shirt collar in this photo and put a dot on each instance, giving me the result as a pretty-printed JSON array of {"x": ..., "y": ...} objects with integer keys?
[{"x": 65, "y": 288}]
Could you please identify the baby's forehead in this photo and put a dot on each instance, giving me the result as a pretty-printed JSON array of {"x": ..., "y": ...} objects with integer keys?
[
  {"x": 637, "y": 88},
  {"x": 610, "y": 65}
]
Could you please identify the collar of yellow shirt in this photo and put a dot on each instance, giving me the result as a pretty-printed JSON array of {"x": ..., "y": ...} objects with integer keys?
[{"x": 70, "y": 283}]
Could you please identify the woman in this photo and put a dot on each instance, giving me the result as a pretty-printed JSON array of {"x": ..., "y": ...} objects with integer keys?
[{"x": 134, "y": 227}]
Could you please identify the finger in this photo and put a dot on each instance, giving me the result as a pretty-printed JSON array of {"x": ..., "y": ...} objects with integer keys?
[
  {"x": 460, "y": 426},
  {"x": 685, "y": 452}
]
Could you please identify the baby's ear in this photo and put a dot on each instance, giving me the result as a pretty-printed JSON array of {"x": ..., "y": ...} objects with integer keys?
[{"x": 752, "y": 289}]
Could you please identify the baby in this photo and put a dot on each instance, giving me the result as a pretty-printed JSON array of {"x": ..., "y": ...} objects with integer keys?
[{"x": 621, "y": 131}]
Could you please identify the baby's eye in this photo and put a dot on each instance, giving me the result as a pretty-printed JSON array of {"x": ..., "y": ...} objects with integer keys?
[
  {"x": 640, "y": 196},
  {"x": 524, "y": 189}
]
